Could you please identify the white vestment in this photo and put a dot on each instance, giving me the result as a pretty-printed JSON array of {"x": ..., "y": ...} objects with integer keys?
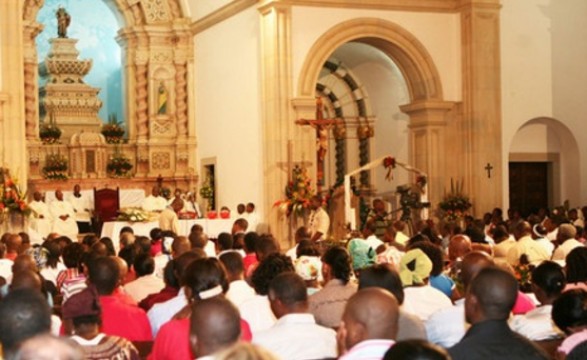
[
  {"x": 154, "y": 203},
  {"x": 41, "y": 220},
  {"x": 66, "y": 227},
  {"x": 82, "y": 206}
]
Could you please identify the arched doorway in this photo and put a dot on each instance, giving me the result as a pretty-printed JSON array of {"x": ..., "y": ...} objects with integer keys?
[
  {"x": 543, "y": 166},
  {"x": 423, "y": 90}
]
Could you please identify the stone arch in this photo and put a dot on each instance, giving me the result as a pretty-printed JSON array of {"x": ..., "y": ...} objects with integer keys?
[
  {"x": 409, "y": 54},
  {"x": 546, "y": 139}
]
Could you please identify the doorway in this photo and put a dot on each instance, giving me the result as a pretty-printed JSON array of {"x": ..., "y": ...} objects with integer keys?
[{"x": 528, "y": 186}]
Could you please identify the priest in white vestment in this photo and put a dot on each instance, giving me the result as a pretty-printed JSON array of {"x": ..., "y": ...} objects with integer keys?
[
  {"x": 41, "y": 220},
  {"x": 82, "y": 205},
  {"x": 63, "y": 215},
  {"x": 154, "y": 202}
]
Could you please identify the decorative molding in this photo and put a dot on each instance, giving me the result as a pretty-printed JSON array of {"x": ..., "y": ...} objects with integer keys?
[
  {"x": 156, "y": 11},
  {"x": 218, "y": 16},
  {"x": 161, "y": 160},
  {"x": 398, "y": 5}
]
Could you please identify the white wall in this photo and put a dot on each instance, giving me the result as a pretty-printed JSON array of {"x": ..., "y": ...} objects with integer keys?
[
  {"x": 200, "y": 8},
  {"x": 543, "y": 75},
  {"x": 228, "y": 118},
  {"x": 439, "y": 33}
]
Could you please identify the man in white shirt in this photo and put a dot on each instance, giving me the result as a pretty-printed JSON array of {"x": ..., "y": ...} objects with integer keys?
[
  {"x": 566, "y": 238},
  {"x": 525, "y": 245},
  {"x": 154, "y": 202},
  {"x": 369, "y": 325},
  {"x": 63, "y": 215},
  {"x": 168, "y": 219},
  {"x": 447, "y": 326},
  {"x": 239, "y": 290},
  {"x": 191, "y": 206},
  {"x": 319, "y": 220},
  {"x": 295, "y": 335},
  {"x": 146, "y": 282},
  {"x": 41, "y": 220},
  {"x": 82, "y": 206},
  {"x": 370, "y": 238},
  {"x": 252, "y": 217}
]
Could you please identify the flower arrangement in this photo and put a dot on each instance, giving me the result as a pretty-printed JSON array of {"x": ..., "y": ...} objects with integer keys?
[
  {"x": 119, "y": 166},
  {"x": 298, "y": 193},
  {"x": 207, "y": 192},
  {"x": 389, "y": 164},
  {"x": 455, "y": 205},
  {"x": 55, "y": 167},
  {"x": 134, "y": 214},
  {"x": 523, "y": 273},
  {"x": 50, "y": 133},
  {"x": 12, "y": 198},
  {"x": 113, "y": 130}
]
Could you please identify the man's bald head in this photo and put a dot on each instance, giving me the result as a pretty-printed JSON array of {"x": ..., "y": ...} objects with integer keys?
[
  {"x": 491, "y": 295},
  {"x": 27, "y": 279},
  {"x": 215, "y": 325},
  {"x": 371, "y": 313},
  {"x": 522, "y": 229},
  {"x": 13, "y": 243},
  {"x": 472, "y": 263},
  {"x": 24, "y": 262},
  {"x": 459, "y": 246}
]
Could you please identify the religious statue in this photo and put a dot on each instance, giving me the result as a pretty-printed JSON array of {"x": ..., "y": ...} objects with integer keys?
[
  {"x": 63, "y": 21},
  {"x": 322, "y": 127},
  {"x": 162, "y": 99}
]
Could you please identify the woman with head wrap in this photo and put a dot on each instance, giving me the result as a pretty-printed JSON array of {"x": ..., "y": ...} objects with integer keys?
[
  {"x": 82, "y": 318},
  {"x": 421, "y": 299}
]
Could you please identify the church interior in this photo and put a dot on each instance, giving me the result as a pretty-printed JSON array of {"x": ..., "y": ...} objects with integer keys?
[{"x": 484, "y": 94}]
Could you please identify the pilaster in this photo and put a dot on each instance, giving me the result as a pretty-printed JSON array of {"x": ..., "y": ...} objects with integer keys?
[
  {"x": 12, "y": 112},
  {"x": 480, "y": 129},
  {"x": 277, "y": 115},
  {"x": 428, "y": 142}
]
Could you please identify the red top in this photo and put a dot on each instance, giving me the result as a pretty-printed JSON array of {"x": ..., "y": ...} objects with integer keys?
[
  {"x": 122, "y": 319},
  {"x": 156, "y": 248},
  {"x": 167, "y": 293},
  {"x": 173, "y": 340},
  {"x": 249, "y": 260},
  {"x": 523, "y": 304}
]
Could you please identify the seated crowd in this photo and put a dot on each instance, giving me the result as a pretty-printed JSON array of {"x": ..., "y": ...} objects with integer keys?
[{"x": 483, "y": 289}]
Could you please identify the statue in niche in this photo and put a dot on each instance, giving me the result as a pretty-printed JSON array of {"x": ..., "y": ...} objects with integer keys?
[
  {"x": 162, "y": 99},
  {"x": 63, "y": 21}
]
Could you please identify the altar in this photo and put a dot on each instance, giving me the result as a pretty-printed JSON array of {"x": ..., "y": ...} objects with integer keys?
[{"x": 212, "y": 228}]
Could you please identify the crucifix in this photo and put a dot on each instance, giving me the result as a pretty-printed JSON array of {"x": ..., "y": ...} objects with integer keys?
[
  {"x": 488, "y": 167},
  {"x": 322, "y": 127}
]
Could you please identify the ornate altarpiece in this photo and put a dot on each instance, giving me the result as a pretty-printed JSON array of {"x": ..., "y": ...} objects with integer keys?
[{"x": 157, "y": 53}]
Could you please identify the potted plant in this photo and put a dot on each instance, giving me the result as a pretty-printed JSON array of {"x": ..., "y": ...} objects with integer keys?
[
  {"x": 119, "y": 166},
  {"x": 113, "y": 130},
  {"x": 55, "y": 167},
  {"x": 50, "y": 133}
]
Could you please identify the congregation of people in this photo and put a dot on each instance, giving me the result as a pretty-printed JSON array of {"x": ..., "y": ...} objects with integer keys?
[{"x": 491, "y": 288}]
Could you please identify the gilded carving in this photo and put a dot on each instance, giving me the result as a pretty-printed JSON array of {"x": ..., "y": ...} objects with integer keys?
[
  {"x": 141, "y": 100},
  {"x": 30, "y": 100},
  {"x": 156, "y": 11},
  {"x": 161, "y": 160},
  {"x": 175, "y": 9},
  {"x": 181, "y": 99},
  {"x": 161, "y": 56}
]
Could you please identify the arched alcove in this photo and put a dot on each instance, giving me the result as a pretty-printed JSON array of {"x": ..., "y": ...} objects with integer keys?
[
  {"x": 550, "y": 142},
  {"x": 156, "y": 48},
  {"x": 425, "y": 107}
]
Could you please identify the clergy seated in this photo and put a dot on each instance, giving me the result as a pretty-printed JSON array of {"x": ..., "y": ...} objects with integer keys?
[
  {"x": 63, "y": 215},
  {"x": 40, "y": 220},
  {"x": 295, "y": 335},
  {"x": 119, "y": 318},
  {"x": 154, "y": 202}
]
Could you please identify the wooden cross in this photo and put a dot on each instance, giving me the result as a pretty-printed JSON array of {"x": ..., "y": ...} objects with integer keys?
[
  {"x": 488, "y": 167},
  {"x": 322, "y": 127},
  {"x": 290, "y": 163}
]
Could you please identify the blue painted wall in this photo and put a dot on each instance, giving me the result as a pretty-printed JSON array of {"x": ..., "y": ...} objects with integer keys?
[{"x": 95, "y": 27}]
